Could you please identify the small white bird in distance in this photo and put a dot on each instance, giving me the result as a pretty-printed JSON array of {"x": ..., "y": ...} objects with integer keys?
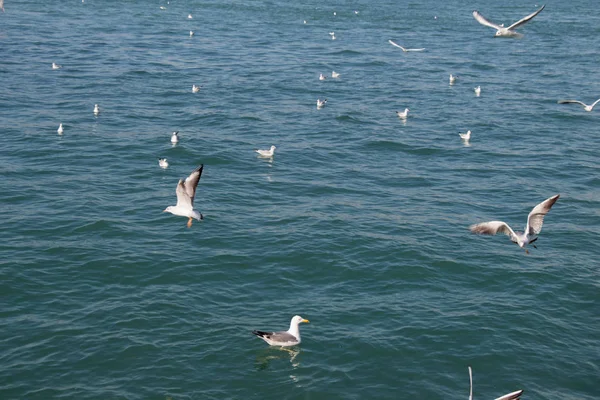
[
  {"x": 190, "y": 16},
  {"x": 585, "y": 106},
  {"x": 501, "y": 31},
  {"x": 322, "y": 77},
  {"x": 196, "y": 88},
  {"x": 266, "y": 153},
  {"x": 465, "y": 136},
  {"x": 452, "y": 79},
  {"x": 56, "y": 66},
  {"x": 321, "y": 103},
  {"x": 477, "y": 91},
  {"x": 175, "y": 137},
  {"x": 60, "y": 129},
  {"x": 403, "y": 114},
  {"x": 96, "y": 109},
  {"x": 335, "y": 74},
  {"x": 191, "y": 33},
  {"x": 291, "y": 337},
  {"x": 535, "y": 220},
  {"x": 162, "y": 162}
]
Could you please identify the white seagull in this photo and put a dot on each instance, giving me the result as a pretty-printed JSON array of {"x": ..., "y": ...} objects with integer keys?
[
  {"x": 175, "y": 137},
  {"x": 191, "y": 33},
  {"x": 535, "y": 220},
  {"x": 291, "y": 337},
  {"x": 96, "y": 109},
  {"x": 162, "y": 162},
  {"x": 195, "y": 88},
  {"x": 321, "y": 103},
  {"x": 452, "y": 79},
  {"x": 322, "y": 77},
  {"x": 403, "y": 49},
  {"x": 477, "y": 91},
  {"x": 465, "y": 136},
  {"x": 585, "y": 106},
  {"x": 335, "y": 74},
  {"x": 190, "y": 16},
  {"x": 510, "y": 396},
  {"x": 403, "y": 114},
  {"x": 60, "y": 129},
  {"x": 186, "y": 191},
  {"x": 266, "y": 153},
  {"x": 56, "y": 66},
  {"x": 501, "y": 31}
]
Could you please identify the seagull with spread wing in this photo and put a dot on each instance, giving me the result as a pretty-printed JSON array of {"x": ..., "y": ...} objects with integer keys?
[
  {"x": 186, "y": 191},
  {"x": 535, "y": 220},
  {"x": 502, "y": 31},
  {"x": 585, "y": 106},
  {"x": 510, "y": 396}
]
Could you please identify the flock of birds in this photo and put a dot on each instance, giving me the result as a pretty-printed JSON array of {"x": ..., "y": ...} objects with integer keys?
[{"x": 186, "y": 189}]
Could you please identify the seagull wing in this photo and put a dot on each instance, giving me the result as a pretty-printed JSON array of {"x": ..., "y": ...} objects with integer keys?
[
  {"x": 277, "y": 337},
  {"x": 535, "y": 219},
  {"x": 481, "y": 19},
  {"x": 186, "y": 191},
  {"x": 526, "y": 19},
  {"x": 511, "y": 396},
  {"x": 594, "y": 104},
  {"x": 493, "y": 228},
  {"x": 396, "y": 44},
  {"x": 573, "y": 101}
]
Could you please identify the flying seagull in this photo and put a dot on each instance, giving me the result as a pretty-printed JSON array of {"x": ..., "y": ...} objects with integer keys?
[
  {"x": 535, "y": 219},
  {"x": 501, "y": 31},
  {"x": 186, "y": 191},
  {"x": 585, "y": 106},
  {"x": 266, "y": 153},
  {"x": 403, "y": 49},
  {"x": 510, "y": 396},
  {"x": 291, "y": 337}
]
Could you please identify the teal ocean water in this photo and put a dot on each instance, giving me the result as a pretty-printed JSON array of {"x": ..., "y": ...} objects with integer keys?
[{"x": 359, "y": 223}]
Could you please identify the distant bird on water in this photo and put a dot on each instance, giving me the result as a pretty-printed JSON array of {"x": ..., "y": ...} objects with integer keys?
[
  {"x": 535, "y": 220},
  {"x": 585, "y": 106},
  {"x": 175, "y": 137},
  {"x": 510, "y": 396},
  {"x": 403, "y": 114},
  {"x": 465, "y": 136},
  {"x": 96, "y": 109},
  {"x": 267, "y": 153},
  {"x": 322, "y": 77},
  {"x": 291, "y": 337},
  {"x": 60, "y": 129},
  {"x": 452, "y": 79},
  {"x": 186, "y": 192},
  {"x": 321, "y": 103},
  {"x": 335, "y": 74},
  {"x": 501, "y": 31},
  {"x": 56, "y": 66},
  {"x": 162, "y": 162},
  {"x": 191, "y": 33},
  {"x": 195, "y": 88},
  {"x": 477, "y": 91}
]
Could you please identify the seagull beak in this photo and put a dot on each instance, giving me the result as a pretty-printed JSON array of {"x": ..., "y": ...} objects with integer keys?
[{"x": 305, "y": 321}]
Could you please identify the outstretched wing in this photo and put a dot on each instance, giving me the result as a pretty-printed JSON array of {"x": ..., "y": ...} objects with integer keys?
[
  {"x": 396, "y": 44},
  {"x": 493, "y": 228},
  {"x": 511, "y": 396},
  {"x": 481, "y": 19},
  {"x": 535, "y": 219},
  {"x": 572, "y": 101},
  {"x": 594, "y": 103},
  {"x": 186, "y": 191},
  {"x": 526, "y": 19}
]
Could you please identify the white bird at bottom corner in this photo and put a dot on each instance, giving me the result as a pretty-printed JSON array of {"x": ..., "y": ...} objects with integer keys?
[
  {"x": 60, "y": 129},
  {"x": 186, "y": 192},
  {"x": 266, "y": 153},
  {"x": 291, "y": 337}
]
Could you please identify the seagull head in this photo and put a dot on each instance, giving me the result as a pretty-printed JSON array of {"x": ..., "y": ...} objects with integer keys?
[
  {"x": 273, "y": 148},
  {"x": 168, "y": 209},
  {"x": 298, "y": 320}
]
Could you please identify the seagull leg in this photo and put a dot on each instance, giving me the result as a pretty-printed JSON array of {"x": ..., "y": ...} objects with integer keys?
[{"x": 189, "y": 223}]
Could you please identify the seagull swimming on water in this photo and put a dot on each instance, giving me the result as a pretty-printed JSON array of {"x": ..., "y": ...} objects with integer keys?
[
  {"x": 96, "y": 109},
  {"x": 186, "y": 191},
  {"x": 162, "y": 162},
  {"x": 195, "y": 88},
  {"x": 191, "y": 33},
  {"x": 501, "y": 31},
  {"x": 585, "y": 106},
  {"x": 267, "y": 153},
  {"x": 321, "y": 103},
  {"x": 452, "y": 79},
  {"x": 403, "y": 114},
  {"x": 478, "y": 91},
  {"x": 175, "y": 137},
  {"x": 56, "y": 66},
  {"x": 291, "y": 337},
  {"x": 510, "y": 396},
  {"x": 322, "y": 77},
  {"x": 403, "y": 49},
  {"x": 465, "y": 136},
  {"x": 60, "y": 129},
  {"x": 535, "y": 220},
  {"x": 335, "y": 74}
]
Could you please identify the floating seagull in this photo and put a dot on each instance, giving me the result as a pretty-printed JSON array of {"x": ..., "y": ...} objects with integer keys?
[
  {"x": 190, "y": 16},
  {"x": 191, "y": 33},
  {"x": 175, "y": 137},
  {"x": 291, "y": 337},
  {"x": 403, "y": 114},
  {"x": 96, "y": 109},
  {"x": 163, "y": 7},
  {"x": 305, "y": 21},
  {"x": 322, "y": 77},
  {"x": 335, "y": 74},
  {"x": 501, "y": 31},
  {"x": 511, "y": 396},
  {"x": 535, "y": 219},
  {"x": 465, "y": 136},
  {"x": 585, "y": 106},
  {"x": 478, "y": 91},
  {"x": 267, "y": 153},
  {"x": 403, "y": 49},
  {"x": 186, "y": 191},
  {"x": 195, "y": 88},
  {"x": 162, "y": 162},
  {"x": 56, "y": 66},
  {"x": 452, "y": 79},
  {"x": 321, "y": 103},
  {"x": 60, "y": 129},
  {"x": 332, "y": 33}
]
